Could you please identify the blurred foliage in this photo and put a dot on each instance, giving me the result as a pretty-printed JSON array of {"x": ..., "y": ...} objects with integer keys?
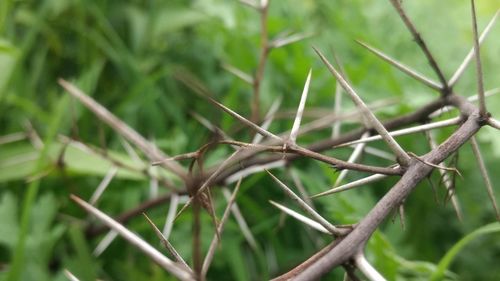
[{"x": 127, "y": 55}]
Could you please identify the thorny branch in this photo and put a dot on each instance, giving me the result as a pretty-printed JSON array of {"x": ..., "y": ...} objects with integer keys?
[{"x": 348, "y": 247}]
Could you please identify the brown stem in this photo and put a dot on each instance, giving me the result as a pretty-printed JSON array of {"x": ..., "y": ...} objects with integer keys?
[
  {"x": 417, "y": 171},
  {"x": 259, "y": 74},
  {"x": 250, "y": 159}
]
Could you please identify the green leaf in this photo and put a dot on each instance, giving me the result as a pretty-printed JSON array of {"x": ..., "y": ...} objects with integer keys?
[
  {"x": 171, "y": 20},
  {"x": 41, "y": 238},
  {"x": 453, "y": 252},
  {"x": 8, "y": 59}
]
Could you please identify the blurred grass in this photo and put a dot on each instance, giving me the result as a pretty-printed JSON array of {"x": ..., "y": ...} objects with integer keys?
[{"x": 126, "y": 54}]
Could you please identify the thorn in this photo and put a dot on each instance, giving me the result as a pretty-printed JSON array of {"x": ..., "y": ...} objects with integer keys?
[
  {"x": 164, "y": 241},
  {"x": 484, "y": 173},
  {"x": 135, "y": 240},
  {"x": 401, "y": 155},
  {"x": 452, "y": 169},
  {"x": 300, "y": 110},
  {"x": 460, "y": 70},
  {"x": 405, "y": 69},
  {"x": 303, "y": 205}
]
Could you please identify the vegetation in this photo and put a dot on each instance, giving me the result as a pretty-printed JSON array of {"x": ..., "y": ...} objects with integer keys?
[{"x": 161, "y": 67}]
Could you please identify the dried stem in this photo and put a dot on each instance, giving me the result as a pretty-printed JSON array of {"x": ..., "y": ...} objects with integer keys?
[
  {"x": 479, "y": 70},
  {"x": 264, "y": 52}
]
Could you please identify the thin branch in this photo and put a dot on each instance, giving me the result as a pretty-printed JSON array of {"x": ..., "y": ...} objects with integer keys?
[
  {"x": 208, "y": 182},
  {"x": 336, "y": 163},
  {"x": 418, "y": 39},
  {"x": 460, "y": 70},
  {"x": 264, "y": 52},
  {"x": 401, "y": 155},
  {"x": 473, "y": 98},
  {"x": 135, "y": 240},
  {"x": 405, "y": 69},
  {"x": 406, "y": 131},
  {"x": 184, "y": 156},
  {"x": 312, "y": 223},
  {"x": 220, "y": 228},
  {"x": 247, "y": 160},
  {"x": 303, "y": 205},
  {"x": 484, "y": 174},
  {"x": 164, "y": 241},
  {"x": 339, "y": 164},
  {"x": 300, "y": 109},
  {"x": 479, "y": 70}
]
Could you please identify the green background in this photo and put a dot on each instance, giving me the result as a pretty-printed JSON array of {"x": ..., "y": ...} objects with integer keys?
[{"x": 127, "y": 54}]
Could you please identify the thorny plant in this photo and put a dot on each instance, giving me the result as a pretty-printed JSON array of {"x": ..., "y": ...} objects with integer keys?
[{"x": 279, "y": 150}]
